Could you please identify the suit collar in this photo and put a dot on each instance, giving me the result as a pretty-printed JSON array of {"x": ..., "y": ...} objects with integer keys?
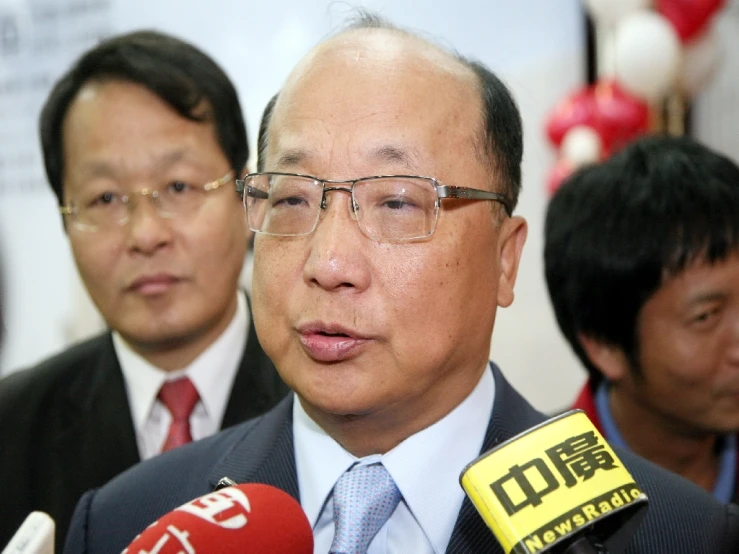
[
  {"x": 257, "y": 384},
  {"x": 275, "y": 463},
  {"x": 96, "y": 413},
  {"x": 511, "y": 415}
]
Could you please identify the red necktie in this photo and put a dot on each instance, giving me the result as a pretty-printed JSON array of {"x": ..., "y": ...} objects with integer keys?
[{"x": 180, "y": 397}]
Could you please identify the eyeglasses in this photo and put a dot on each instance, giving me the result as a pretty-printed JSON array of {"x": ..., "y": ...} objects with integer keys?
[
  {"x": 388, "y": 208},
  {"x": 108, "y": 210}
]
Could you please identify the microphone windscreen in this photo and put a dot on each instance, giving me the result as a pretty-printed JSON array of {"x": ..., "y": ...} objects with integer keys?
[
  {"x": 552, "y": 484},
  {"x": 34, "y": 536},
  {"x": 243, "y": 518}
]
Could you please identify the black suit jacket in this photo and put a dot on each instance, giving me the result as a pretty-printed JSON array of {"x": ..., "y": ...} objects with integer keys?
[
  {"x": 66, "y": 427},
  {"x": 682, "y": 518}
]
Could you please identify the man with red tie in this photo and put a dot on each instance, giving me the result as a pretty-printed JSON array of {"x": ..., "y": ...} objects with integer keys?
[{"x": 142, "y": 139}]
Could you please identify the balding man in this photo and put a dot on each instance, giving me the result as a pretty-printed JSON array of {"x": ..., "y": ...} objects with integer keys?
[{"x": 385, "y": 243}]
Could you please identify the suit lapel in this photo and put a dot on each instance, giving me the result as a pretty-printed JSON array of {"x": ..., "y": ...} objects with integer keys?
[
  {"x": 264, "y": 453},
  {"x": 511, "y": 416},
  {"x": 95, "y": 438},
  {"x": 257, "y": 386}
]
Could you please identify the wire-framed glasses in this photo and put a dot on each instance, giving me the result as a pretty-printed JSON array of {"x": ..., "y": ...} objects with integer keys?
[
  {"x": 94, "y": 211},
  {"x": 388, "y": 208}
]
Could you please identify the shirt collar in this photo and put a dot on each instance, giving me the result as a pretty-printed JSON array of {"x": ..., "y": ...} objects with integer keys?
[
  {"x": 212, "y": 372},
  {"x": 436, "y": 455},
  {"x": 723, "y": 490}
]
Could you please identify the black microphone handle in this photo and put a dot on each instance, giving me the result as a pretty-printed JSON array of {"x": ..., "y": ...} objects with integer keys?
[{"x": 582, "y": 545}]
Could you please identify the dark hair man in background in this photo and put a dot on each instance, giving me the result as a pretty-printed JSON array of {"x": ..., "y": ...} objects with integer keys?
[
  {"x": 376, "y": 299},
  {"x": 642, "y": 264},
  {"x": 142, "y": 141}
]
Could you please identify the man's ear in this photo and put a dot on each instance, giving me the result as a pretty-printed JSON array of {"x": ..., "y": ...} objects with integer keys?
[
  {"x": 610, "y": 360},
  {"x": 513, "y": 233}
]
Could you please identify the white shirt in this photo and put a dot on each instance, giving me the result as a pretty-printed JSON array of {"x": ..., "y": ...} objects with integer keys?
[
  {"x": 212, "y": 373},
  {"x": 425, "y": 468}
]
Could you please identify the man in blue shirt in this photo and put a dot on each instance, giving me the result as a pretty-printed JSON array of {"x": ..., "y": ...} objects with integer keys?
[
  {"x": 385, "y": 243},
  {"x": 642, "y": 263}
]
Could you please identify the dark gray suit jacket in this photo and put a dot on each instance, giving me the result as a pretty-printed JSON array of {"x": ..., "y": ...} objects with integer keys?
[
  {"x": 65, "y": 427},
  {"x": 682, "y": 518}
]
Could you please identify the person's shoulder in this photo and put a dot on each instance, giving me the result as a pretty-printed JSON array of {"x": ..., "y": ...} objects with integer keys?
[
  {"x": 188, "y": 467},
  {"x": 35, "y": 384},
  {"x": 145, "y": 492},
  {"x": 681, "y": 516}
]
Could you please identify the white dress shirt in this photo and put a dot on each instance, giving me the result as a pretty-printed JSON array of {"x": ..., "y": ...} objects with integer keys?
[
  {"x": 212, "y": 373},
  {"x": 425, "y": 468}
]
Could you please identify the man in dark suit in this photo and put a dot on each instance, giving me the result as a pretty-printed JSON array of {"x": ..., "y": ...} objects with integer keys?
[
  {"x": 376, "y": 299},
  {"x": 142, "y": 138}
]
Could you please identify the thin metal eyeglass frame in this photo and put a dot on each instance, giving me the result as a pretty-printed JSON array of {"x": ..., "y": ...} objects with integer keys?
[
  {"x": 442, "y": 191},
  {"x": 71, "y": 210}
]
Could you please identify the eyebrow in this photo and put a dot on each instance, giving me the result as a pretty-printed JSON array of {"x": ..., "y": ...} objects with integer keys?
[
  {"x": 704, "y": 297},
  {"x": 407, "y": 157},
  {"x": 291, "y": 157}
]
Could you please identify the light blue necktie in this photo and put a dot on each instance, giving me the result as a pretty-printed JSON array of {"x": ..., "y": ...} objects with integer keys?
[{"x": 364, "y": 499}]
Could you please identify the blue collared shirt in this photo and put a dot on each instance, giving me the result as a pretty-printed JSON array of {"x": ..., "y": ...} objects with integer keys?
[
  {"x": 723, "y": 490},
  {"x": 425, "y": 468}
]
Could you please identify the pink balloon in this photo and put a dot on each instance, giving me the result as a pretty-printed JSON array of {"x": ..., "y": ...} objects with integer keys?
[{"x": 689, "y": 17}]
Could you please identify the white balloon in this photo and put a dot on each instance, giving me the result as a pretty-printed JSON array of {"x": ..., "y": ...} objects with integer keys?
[
  {"x": 701, "y": 59},
  {"x": 647, "y": 54},
  {"x": 610, "y": 12},
  {"x": 581, "y": 145}
]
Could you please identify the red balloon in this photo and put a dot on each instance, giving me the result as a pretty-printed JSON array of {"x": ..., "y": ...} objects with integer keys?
[
  {"x": 559, "y": 172},
  {"x": 617, "y": 116},
  {"x": 576, "y": 109},
  {"x": 689, "y": 17},
  {"x": 621, "y": 117}
]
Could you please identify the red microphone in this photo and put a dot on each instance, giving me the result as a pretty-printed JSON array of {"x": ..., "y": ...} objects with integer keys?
[{"x": 241, "y": 518}]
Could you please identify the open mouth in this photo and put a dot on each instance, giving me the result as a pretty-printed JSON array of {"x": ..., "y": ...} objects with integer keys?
[{"x": 327, "y": 334}]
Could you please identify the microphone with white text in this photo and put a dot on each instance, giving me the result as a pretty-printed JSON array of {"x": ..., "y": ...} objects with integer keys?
[
  {"x": 248, "y": 518},
  {"x": 556, "y": 488},
  {"x": 34, "y": 536}
]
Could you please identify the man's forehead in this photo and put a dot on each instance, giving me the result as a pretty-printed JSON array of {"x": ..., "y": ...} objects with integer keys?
[
  {"x": 370, "y": 51},
  {"x": 363, "y": 73}
]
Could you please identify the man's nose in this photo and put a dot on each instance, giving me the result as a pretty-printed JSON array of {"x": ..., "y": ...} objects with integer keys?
[
  {"x": 337, "y": 246},
  {"x": 146, "y": 228}
]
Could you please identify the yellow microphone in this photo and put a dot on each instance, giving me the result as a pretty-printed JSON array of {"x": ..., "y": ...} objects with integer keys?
[{"x": 558, "y": 487}]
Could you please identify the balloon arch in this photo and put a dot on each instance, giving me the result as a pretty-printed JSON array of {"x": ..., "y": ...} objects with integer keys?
[{"x": 650, "y": 50}]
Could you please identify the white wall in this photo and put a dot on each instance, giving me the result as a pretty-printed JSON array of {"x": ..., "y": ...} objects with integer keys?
[
  {"x": 535, "y": 45},
  {"x": 716, "y": 110}
]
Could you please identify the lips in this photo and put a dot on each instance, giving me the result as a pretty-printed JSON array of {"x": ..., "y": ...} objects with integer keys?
[
  {"x": 155, "y": 284},
  {"x": 330, "y": 343}
]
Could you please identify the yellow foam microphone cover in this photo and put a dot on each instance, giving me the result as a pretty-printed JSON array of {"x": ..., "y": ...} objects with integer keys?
[{"x": 552, "y": 483}]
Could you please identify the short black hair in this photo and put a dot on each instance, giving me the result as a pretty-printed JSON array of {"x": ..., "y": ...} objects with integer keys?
[
  {"x": 262, "y": 137},
  {"x": 177, "y": 72},
  {"x": 501, "y": 140},
  {"x": 616, "y": 230},
  {"x": 502, "y": 145}
]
